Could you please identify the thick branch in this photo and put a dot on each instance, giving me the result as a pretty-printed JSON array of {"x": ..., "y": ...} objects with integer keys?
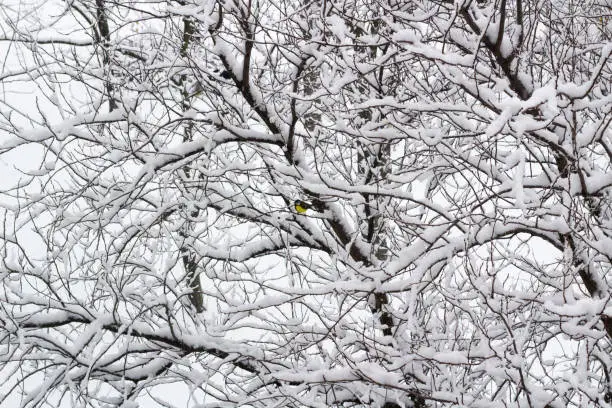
[{"x": 104, "y": 42}]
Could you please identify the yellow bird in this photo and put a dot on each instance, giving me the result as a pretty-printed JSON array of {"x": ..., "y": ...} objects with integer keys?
[{"x": 301, "y": 206}]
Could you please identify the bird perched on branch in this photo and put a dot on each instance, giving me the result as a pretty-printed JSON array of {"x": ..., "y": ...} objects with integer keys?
[{"x": 302, "y": 206}]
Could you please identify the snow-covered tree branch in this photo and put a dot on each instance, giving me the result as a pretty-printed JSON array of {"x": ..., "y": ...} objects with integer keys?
[{"x": 265, "y": 203}]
